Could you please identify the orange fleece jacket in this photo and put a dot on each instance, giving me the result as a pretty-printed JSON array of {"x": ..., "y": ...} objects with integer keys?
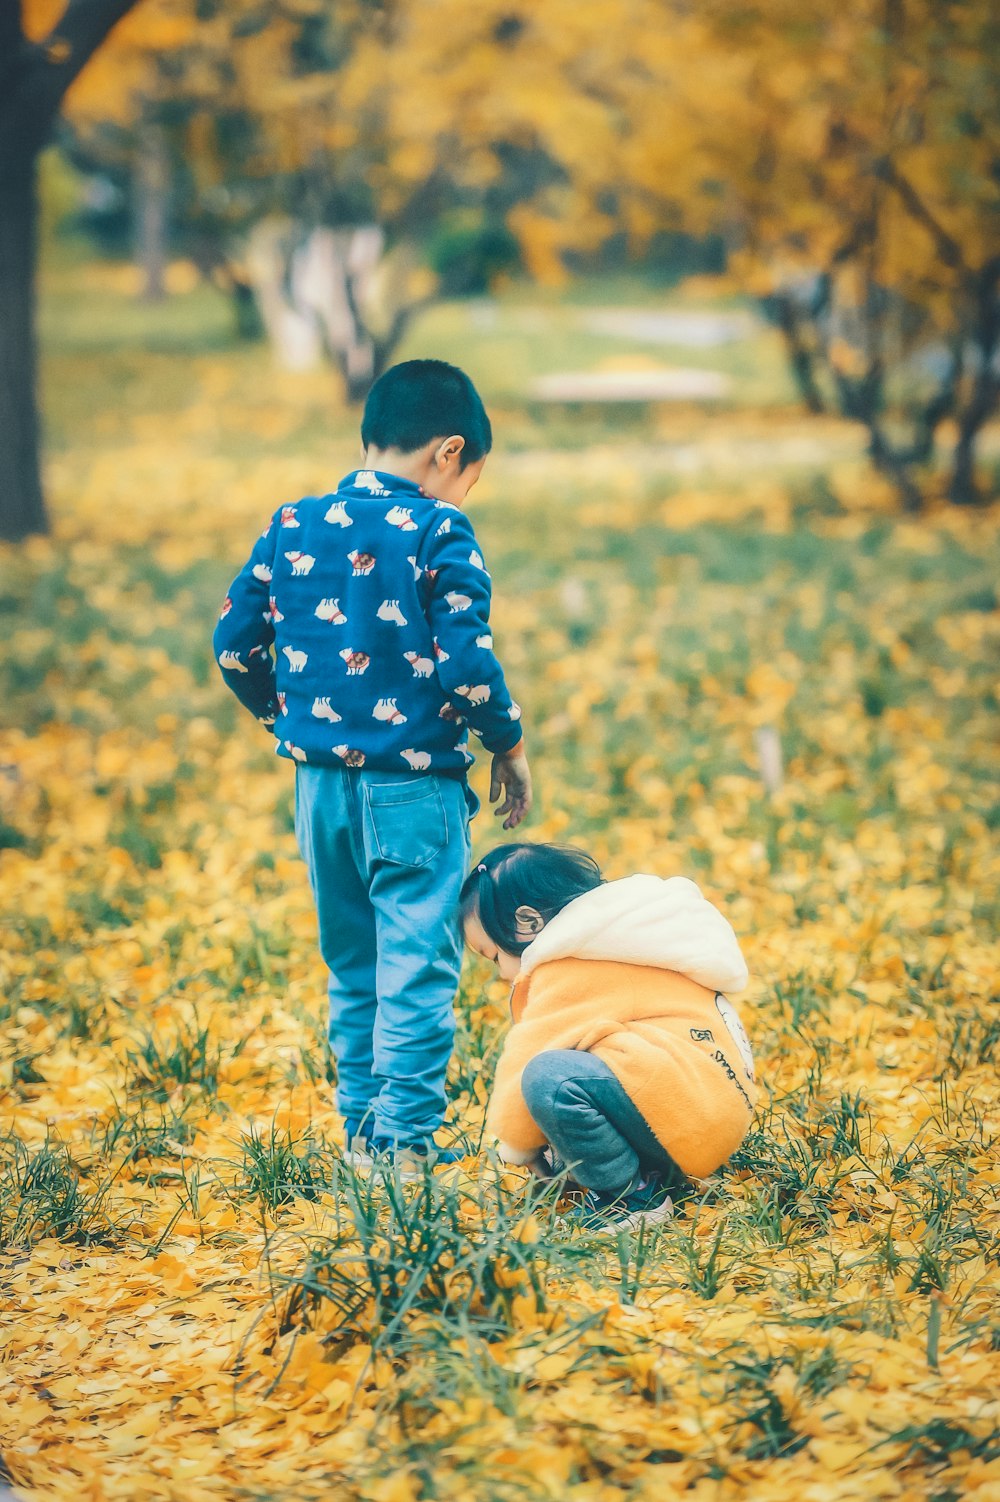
[{"x": 664, "y": 1037}]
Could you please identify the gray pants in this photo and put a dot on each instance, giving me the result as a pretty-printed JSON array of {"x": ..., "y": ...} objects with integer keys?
[{"x": 591, "y": 1123}]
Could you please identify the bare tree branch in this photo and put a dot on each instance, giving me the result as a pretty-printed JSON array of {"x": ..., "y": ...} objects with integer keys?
[{"x": 948, "y": 247}]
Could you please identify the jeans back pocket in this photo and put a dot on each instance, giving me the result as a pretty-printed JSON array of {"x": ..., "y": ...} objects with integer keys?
[{"x": 408, "y": 822}]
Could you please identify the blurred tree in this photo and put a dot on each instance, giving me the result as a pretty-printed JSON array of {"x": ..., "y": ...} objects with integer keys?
[
  {"x": 152, "y": 189},
  {"x": 40, "y": 57},
  {"x": 137, "y": 118},
  {"x": 860, "y": 153},
  {"x": 847, "y": 156},
  {"x": 274, "y": 119},
  {"x": 850, "y": 156}
]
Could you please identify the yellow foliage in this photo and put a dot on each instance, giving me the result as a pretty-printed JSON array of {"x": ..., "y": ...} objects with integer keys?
[
  {"x": 820, "y": 1320},
  {"x": 852, "y": 140},
  {"x": 151, "y": 1358}
]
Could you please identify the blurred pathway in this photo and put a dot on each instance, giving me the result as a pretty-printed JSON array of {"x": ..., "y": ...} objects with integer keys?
[
  {"x": 720, "y": 445},
  {"x": 691, "y": 329}
]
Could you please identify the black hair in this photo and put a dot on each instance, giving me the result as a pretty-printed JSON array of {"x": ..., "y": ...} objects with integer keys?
[
  {"x": 420, "y": 400},
  {"x": 545, "y": 877}
]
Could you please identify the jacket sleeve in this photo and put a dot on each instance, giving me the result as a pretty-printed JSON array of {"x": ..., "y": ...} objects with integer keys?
[
  {"x": 507, "y": 1115},
  {"x": 459, "y": 614},
  {"x": 245, "y": 633}
]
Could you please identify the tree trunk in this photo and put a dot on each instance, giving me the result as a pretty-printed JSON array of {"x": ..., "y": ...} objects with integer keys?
[
  {"x": 985, "y": 394},
  {"x": 328, "y": 272},
  {"x": 800, "y": 358},
  {"x": 962, "y": 487},
  {"x": 22, "y": 508},
  {"x": 152, "y": 182},
  {"x": 897, "y": 468},
  {"x": 34, "y": 77},
  {"x": 246, "y": 313}
]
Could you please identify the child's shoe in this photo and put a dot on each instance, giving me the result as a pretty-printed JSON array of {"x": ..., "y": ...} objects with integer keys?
[
  {"x": 647, "y": 1204},
  {"x": 408, "y": 1160},
  {"x": 358, "y": 1153}
]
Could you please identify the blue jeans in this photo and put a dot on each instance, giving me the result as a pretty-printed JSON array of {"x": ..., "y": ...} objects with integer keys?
[
  {"x": 587, "y": 1117},
  {"x": 387, "y": 854}
]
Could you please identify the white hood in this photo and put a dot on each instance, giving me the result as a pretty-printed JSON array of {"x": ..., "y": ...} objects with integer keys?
[{"x": 644, "y": 920}]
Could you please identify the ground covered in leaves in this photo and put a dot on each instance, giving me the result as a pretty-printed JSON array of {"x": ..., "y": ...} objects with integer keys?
[{"x": 200, "y": 1300}]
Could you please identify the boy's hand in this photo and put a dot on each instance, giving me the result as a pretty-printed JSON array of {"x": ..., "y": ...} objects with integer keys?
[{"x": 512, "y": 777}]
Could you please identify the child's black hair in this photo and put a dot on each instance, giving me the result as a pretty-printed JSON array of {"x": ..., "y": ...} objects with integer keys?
[
  {"x": 420, "y": 400},
  {"x": 545, "y": 877}
]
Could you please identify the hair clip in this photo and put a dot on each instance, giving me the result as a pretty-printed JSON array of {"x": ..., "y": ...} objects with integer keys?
[{"x": 481, "y": 866}]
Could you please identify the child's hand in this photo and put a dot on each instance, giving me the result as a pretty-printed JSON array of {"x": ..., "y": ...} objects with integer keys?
[{"x": 511, "y": 776}]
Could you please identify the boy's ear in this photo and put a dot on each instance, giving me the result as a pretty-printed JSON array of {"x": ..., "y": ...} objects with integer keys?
[
  {"x": 449, "y": 449},
  {"x": 528, "y": 922}
]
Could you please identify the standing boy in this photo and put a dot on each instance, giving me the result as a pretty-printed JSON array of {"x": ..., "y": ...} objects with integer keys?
[{"x": 376, "y": 601}]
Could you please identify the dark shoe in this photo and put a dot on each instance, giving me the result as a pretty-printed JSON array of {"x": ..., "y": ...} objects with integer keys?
[
  {"x": 552, "y": 1166},
  {"x": 648, "y": 1204}
]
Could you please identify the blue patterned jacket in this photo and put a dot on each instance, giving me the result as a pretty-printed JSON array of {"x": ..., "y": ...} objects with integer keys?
[{"x": 375, "y": 603}]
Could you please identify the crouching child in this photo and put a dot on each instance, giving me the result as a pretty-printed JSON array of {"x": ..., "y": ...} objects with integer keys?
[{"x": 625, "y": 1060}]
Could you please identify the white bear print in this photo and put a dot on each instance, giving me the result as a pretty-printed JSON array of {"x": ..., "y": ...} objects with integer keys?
[
  {"x": 386, "y": 710},
  {"x": 476, "y": 559},
  {"x": 476, "y": 693},
  {"x": 262, "y": 572},
  {"x": 389, "y": 611},
  {"x": 422, "y": 667},
  {"x": 322, "y": 711},
  {"x": 231, "y": 660},
  {"x": 227, "y": 606},
  {"x": 301, "y": 562},
  {"x": 514, "y": 712},
  {"x": 439, "y": 651},
  {"x": 457, "y": 602},
  {"x": 282, "y": 709},
  {"x": 337, "y": 515},
  {"x": 418, "y": 760},
  {"x": 357, "y": 662},
  {"x": 296, "y": 659},
  {"x": 295, "y": 751},
  {"x": 363, "y": 563},
  {"x": 329, "y": 610},
  {"x": 352, "y": 757},
  {"x": 401, "y": 517},
  {"x": 444, "y": 527},
  {"x": 485, "y": 641},
  {"x": 288, "y": 517},
  {"x": 417, "y": 570},
  {"x": 273, "y": 610},
  {"x": 366, "y": 479}
]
